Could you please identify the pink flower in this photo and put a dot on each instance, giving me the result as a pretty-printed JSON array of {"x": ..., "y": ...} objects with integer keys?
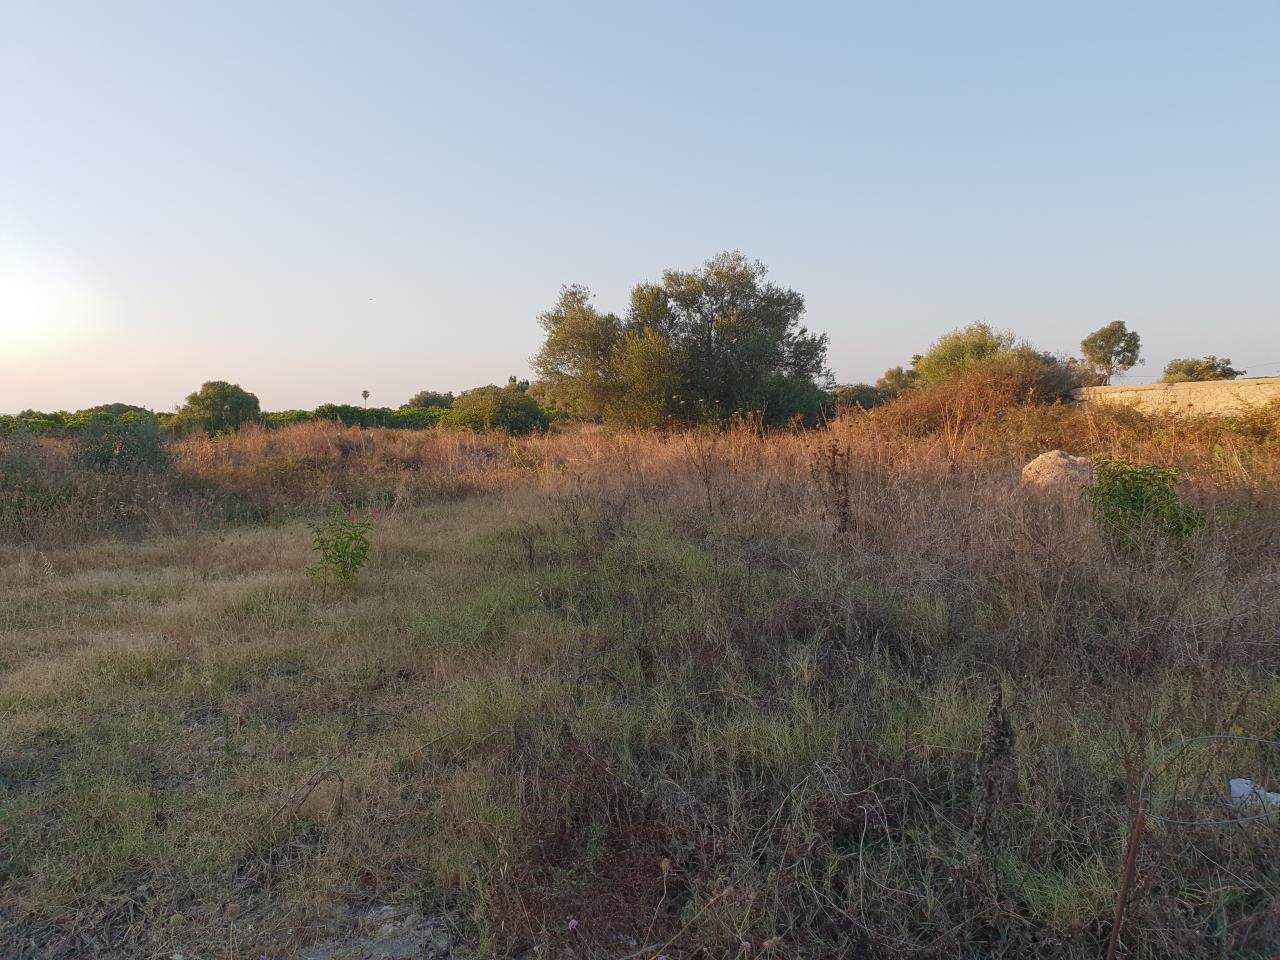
[
  {"x": 376, "y": 509},
  {"x": 573, "y": 923}
]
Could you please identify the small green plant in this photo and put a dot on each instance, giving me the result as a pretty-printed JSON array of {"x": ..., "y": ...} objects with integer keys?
[
  {"x": 342, "y": 542},
  {"x": 1131, "y": 500}
]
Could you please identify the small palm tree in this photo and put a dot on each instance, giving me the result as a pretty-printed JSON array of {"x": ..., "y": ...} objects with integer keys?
[{"x": 365, "y": 396}]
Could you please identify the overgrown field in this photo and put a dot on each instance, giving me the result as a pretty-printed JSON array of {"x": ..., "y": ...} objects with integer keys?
[{"x": 845, "y": 692}]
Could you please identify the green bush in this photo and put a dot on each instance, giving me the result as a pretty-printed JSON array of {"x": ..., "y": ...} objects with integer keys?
[
  {"x": 415, "y": 418},
  {"x": 1134, "y": 500},
  {"x": 496, "y": 408},
  {"x": 343, "y": 544},
  {"x": 411, "y": 418},
  {"x": 282, "y": 418},
  {"x": 1199, "y": 370},
  {"x": 129, "y": 441}
]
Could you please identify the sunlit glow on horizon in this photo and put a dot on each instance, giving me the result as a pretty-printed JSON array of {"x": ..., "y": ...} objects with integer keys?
[{"x": 46, "y": 308}]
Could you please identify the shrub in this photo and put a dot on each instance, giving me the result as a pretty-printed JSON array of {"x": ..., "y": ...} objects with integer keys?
[
  {"x": 130, "y": 441},
  {"x": 280, "y": 418},
  {"x": 864, "y": 395},
  {"x": 1131, "y": 500},
  {"x": 954, "y": 353},
  {"x": 405, "y": 417},
  {"x": 343, "y": 544},
  {"x": 982, "y": 391},
  {"x": 414, "y": 418},
  {"x": 1199, "y": 369},
  {"x": 496, "y": 408}
]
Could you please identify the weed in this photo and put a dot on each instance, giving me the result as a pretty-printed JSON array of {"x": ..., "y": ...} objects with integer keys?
[
  {"x": 829, "y": 468},
  {"x": 343, "y": 544},
  {"x": 1132, "y": 500}
]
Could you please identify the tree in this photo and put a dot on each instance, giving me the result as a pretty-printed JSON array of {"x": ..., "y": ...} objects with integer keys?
[
  {"x": 646, "y": 377},
  {"x": 1111, "y": 349},
  {"x": 897, "y": 379},
  {"x": 429, "y": 398},
  {"x": 701, "y": 344},
  {"x": 496, "y": 408},
  {"x": 574, "y": 362},
  {"x": 1200, "y": 369},
  {"x": 217, "y": 407},
  {"x": 737, "y": 338},
  {"x": 364, "y": 395}
]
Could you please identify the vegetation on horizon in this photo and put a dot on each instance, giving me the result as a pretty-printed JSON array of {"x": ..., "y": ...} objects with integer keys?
[{"x": 1200, "y": 369}]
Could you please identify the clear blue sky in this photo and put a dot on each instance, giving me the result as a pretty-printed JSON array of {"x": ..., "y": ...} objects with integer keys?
[{"x": 311, "y": 199}]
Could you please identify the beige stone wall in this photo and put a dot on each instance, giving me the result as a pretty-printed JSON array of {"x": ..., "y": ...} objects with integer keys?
[{"x": 1218, "y": 397}]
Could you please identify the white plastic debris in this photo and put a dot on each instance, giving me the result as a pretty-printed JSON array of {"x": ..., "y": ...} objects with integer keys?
[{"x": 1246, "y": 793}]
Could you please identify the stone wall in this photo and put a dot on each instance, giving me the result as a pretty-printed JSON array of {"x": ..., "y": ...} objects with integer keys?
[{"x": 1217, "y": 397}]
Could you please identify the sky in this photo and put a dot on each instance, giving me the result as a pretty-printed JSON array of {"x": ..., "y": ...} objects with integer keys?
[{"x": 313, "y": 199}]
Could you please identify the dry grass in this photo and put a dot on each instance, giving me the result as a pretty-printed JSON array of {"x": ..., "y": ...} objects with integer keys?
[{"x": 691, "y": 690}]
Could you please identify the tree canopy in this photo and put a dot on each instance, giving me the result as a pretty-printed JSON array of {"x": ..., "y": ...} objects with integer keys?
[
  {"x": 1112, "y": 349},
  {"x": 425, "y": 399},
  {"x": 699, "y": 344},
  {"x": 1200, "y": 368},
  {"x": 217, "y": 407},
  {"x": 575, "y": 362}
]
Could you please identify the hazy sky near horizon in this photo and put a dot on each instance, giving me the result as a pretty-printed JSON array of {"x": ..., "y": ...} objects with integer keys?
[{"x": 311, "y": 199}]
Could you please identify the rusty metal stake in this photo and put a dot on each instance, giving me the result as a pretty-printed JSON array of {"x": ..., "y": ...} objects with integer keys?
[{"x": 1126, "y": 876}]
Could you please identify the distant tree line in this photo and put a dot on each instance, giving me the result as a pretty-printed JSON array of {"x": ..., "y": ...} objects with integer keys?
[
  {"x": 123, "y": 434},
  {"x": 218, "y": 407},
  {"x": 699, "y": 345},
  {"x": 1111, "y": 350}
]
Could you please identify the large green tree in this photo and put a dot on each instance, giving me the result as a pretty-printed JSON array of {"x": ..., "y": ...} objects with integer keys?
[
  {"x": 1112, "y": 349},
  {"x": 738, "y": 337},
  {"x": 646, "y": 375},
  {"x": 217, "y": 407},
  {"x": 575, "y": 362},
  {"x": 700, "y": 344}
]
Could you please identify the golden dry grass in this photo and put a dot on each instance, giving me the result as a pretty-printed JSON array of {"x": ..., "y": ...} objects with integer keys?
[{"x": 635, "y": 680}]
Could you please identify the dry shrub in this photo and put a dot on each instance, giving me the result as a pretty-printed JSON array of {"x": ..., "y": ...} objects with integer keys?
[{"x": 982, "y": 392}]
